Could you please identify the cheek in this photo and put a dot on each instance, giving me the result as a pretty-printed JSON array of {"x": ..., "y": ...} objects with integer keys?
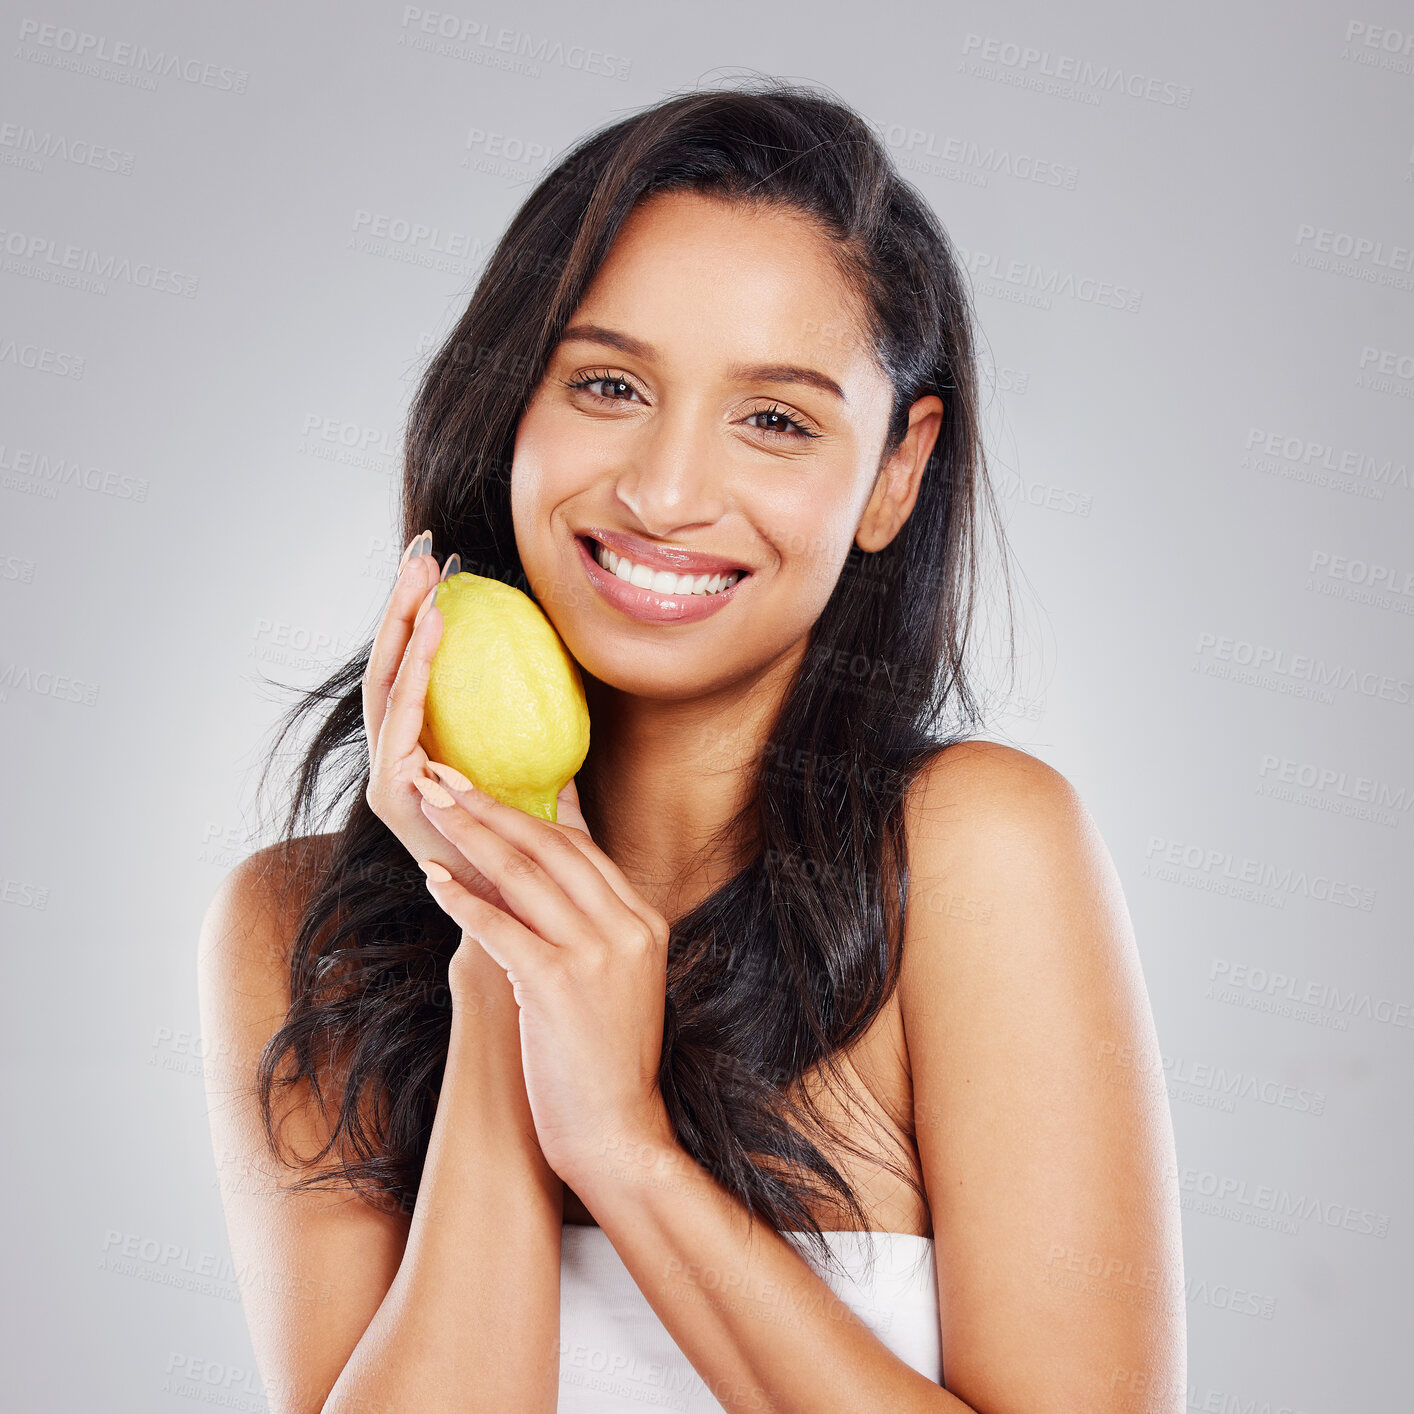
[
  {"x": 545, "y": 472},
  {"x": 531, "y": 461},
  {"x": 810, "y": 535}
]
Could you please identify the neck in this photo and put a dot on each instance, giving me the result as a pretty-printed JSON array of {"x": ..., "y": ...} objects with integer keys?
[{"x": 663, "y": 779}]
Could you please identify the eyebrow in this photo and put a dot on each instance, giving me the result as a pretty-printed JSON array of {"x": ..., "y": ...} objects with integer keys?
[{"x": 751, "y": 372}]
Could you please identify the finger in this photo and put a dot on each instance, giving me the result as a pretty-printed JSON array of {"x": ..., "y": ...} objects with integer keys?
[
  {"x": 407, "y": 699},
  {"x": 425, "y": 841},
  {"x": 392, "y": 636},
  {"x": 555, "y": 890},
  {"x": 617, "y": 879},
  {"x": 393, "y": 631},
  {"x": 569, "y": 821},
  {"x": 567, "y": 811},
  {"x": 512, "y": 945}
]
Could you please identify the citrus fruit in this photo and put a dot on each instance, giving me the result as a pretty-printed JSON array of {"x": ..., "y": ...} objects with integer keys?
[{"x": 505, "y": 700}]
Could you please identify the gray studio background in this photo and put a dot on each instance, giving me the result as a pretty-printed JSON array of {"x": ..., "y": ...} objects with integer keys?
[{"x": 1190, "y": 237}]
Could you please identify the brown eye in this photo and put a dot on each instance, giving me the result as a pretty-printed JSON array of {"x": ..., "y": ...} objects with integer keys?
[
  {"x": 610, "y": 379},
  {"x": 798, "y": 428}
]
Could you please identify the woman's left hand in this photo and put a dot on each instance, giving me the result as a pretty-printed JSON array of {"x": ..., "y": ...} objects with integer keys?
[{"x": 587, "y": 960}]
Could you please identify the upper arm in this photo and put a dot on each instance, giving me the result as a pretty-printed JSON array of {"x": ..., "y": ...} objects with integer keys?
[
  {"x": 312, "y": 1267},
  {"x": 1047, "y": 1165}
]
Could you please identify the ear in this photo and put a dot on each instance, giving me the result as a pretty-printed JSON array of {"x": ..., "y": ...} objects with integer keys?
[{"x": 896, "y": 486}]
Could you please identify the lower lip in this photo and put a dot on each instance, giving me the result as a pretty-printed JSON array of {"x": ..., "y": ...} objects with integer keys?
[{"x": 648, "y": 606}]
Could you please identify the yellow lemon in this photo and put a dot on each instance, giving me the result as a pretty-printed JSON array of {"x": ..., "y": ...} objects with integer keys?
[{"x": 505, "y": 701}]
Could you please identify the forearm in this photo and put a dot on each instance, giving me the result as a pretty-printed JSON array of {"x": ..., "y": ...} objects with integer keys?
[
  {"x": 471, "y": 1321},
  {"x": 761, "y": 1328}
]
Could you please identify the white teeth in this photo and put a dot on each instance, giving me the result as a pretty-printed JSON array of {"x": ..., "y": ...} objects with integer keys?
[{"x": 662, "y": 581}]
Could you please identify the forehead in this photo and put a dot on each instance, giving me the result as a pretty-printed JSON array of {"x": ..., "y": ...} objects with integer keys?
[{"x": 711, "y": 284}]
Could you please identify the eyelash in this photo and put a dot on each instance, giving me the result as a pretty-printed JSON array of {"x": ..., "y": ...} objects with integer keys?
[{"x": 801, "y": 430}]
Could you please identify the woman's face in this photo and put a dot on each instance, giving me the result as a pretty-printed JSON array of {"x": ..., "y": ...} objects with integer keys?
[{"x": 727, "y": 408}]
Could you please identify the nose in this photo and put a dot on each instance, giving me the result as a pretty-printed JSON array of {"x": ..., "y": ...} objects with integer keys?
[{"x": 672, "y": 476}]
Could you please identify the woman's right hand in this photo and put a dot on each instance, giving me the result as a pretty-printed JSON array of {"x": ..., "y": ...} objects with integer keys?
[
  {"x": 394, "y": 697},
  {"x": 394, "y": 702}
]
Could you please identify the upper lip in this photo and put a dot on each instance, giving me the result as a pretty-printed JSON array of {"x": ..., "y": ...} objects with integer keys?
[{"x": 662, "y": 557}]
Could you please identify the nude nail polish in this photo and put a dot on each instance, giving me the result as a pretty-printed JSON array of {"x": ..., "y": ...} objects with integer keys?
[
  {"x": 434, "y": 871},
  {"x": 426, "y": 604},
  {"x": 433, "y": 793},
  {"x": 450, "y": 776}
]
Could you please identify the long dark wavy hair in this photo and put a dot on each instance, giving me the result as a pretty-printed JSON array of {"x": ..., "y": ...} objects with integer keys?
[{"x": 786, "y": 964}]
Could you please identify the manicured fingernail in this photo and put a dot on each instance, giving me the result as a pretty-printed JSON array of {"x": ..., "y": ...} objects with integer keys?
[
  {"x": 450, "y": 776},
  {"x": 426, "y": 603},
  {"x": 407, "y": 554},
  {"x": 434, "y": 871},
  {"x": 432, "y": 793},
  {"x": 453, "y": 566},
  {"x": 426, "y": 543}
]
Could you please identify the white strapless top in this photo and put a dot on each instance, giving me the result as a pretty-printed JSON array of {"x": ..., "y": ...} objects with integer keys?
[{"x": 617, "y": 1357}]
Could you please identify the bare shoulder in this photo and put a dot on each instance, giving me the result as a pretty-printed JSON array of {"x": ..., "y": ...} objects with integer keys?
[
  {"x": 271, "y": 883},
  {"x": 997, "y": 788},
  {"x": 1044, "y": 1154},
  {"x": 243, "y": 963},
  {"x": 1013, "y": 891},
  {"x": 250, "y": 922},
  {"x": 990, "y": 826}
]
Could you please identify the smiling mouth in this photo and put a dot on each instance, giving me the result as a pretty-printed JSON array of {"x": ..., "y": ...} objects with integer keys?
[{"x": 659, "y": 581}]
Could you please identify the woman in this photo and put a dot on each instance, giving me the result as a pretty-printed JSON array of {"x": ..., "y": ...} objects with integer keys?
[{"x": 807, "y": 993}]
